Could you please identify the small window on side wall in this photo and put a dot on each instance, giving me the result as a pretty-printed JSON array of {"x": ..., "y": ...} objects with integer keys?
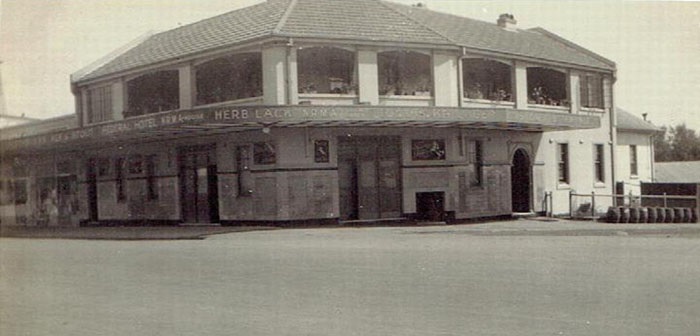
[
  {"x": 563, "y": 163},
  {"x": 598, "y": 163},
  {"x": 430, "y": 150},
  {"x": 634, "y": 167}
]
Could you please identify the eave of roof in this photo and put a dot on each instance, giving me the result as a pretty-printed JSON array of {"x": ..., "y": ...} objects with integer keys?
[{"x": 627, "y": 121}]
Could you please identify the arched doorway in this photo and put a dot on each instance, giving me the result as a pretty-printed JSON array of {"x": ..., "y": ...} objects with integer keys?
[{"x": 520, "y": 177}]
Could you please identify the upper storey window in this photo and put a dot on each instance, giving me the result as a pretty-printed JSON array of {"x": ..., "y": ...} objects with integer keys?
[
  {"x": 487, "y": 79},
  {"x": 153, "y": 92},
  {"x": 546, "y": 87},
  {"x": 404, "y": 73},
  {"x": 99, "y": 104},
  {"x": 229, "y": 78},
  {"x": 326, "y": 70},
  {"x": 592, "y": 90}
]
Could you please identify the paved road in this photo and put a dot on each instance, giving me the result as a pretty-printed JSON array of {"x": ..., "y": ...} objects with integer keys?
[{"x": 453, "y": 280}]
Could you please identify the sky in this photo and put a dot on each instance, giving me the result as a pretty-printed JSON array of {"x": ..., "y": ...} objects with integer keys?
[{"x": 656, "y": 45}]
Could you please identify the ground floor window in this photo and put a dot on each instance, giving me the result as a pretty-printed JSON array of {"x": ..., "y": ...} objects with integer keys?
[
  {"x": 598, "y": 163},
  {"x": 633, "y": 160},
  {"x": 563, "y": 162}
]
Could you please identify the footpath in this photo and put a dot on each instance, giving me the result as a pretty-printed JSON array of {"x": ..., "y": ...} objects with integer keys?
[{"x": 538, "y": 226}]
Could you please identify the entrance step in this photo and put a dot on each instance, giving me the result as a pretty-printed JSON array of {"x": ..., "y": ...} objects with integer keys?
[
  {"x": 199, "y": 224},
  {"x": 372, "y": 221},
  {"x": 524, "y": 215}
]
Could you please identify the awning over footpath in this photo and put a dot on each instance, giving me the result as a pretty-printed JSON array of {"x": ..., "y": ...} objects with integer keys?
[{"x": 225, "y": 119}]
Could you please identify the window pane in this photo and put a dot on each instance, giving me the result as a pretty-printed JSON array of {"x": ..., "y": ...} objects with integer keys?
[
  {"x": 404, "y": 73},
  {"x": 326, "y": 70},
  {"x": 487, "y": 79},
  {"x": 153, "y": 92},
  {"x": 546, "y": 87},
  {"x": 99, "y": 106},
  {"x": 229, "y": 78},
  {"x": 599, "y": 163},
  {"x": 563, "y": 168}
]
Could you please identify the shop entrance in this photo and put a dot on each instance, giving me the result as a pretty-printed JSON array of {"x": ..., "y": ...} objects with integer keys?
[
  {"x": 198, "y": 184},
  {"x": 520, "y": 180},
  {"x": 92, "y": 190},
  {"x": 369, "y": 172}
]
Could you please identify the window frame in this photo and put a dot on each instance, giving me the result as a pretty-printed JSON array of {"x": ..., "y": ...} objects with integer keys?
[
  {"x": 499, "y": 95},
  {"x": 563, "y": 163},
  {"x": 341, "y": 80},
  {"x": 542, "y": 89},
  {"x": 599, "y": 163},
  {"x": 391, "y": 74},
  {"x": 590, "y": 95},
  {"x": 99, "y": 96}
]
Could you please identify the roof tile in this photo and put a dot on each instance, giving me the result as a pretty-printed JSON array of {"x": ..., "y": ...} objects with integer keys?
[{"x": 362, "y": 20}]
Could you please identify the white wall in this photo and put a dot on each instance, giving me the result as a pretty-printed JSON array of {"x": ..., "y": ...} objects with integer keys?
[{"x": 644, "y": 160}]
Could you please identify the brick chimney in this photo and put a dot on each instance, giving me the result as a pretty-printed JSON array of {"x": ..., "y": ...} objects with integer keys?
[{"x": 507, "y": 21}]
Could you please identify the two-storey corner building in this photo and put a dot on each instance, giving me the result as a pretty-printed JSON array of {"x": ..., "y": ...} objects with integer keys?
[{"x": 326, "y": 110}]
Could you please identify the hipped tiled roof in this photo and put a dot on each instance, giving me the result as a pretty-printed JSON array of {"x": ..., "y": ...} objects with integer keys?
[
  {"x": 627, "y": 121},
  {"x": 353, "y": 20}
]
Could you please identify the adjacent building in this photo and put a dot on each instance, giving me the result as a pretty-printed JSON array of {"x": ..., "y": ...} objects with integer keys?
[
  {"x": 323, "y": 110},
  {"x": 635, "y": 152}
]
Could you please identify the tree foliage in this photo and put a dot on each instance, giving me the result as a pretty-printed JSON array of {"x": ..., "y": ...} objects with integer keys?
[{"x": 677, "y": 143}]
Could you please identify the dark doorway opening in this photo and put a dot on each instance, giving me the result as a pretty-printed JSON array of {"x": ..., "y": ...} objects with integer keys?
[
  {"x": 520, "y": 178},
  {"x": 369, "y": 172},
  {"x": 430, "y": 206},
  {"x": 198, "y": 184},
  {"x": 92, "y": 190}
]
